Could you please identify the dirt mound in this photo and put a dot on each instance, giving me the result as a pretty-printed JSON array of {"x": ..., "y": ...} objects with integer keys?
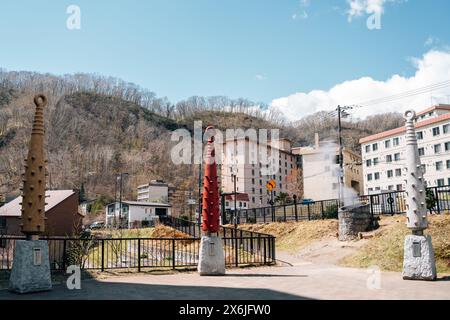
[
  {"x": 293, "y": 236},
  {"x": 385, "y": 249}
]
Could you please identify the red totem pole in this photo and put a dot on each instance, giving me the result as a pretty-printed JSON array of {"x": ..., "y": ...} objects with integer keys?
[{"x": 210, "y": 211}]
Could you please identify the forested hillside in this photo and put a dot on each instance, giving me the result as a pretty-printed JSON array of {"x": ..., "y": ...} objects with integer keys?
[{"x": 98, "y": 126}]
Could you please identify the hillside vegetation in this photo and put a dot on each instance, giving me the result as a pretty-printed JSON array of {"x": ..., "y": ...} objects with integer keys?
[{"x": 97, "y": 127}]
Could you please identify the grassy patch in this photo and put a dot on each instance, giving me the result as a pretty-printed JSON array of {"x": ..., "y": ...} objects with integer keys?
[
  {"x": 385, "y": 249},
  {"x": 293, "y": 236}
]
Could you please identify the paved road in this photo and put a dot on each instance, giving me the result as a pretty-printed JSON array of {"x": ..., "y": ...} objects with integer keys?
[{"x": 304, "y": 280}]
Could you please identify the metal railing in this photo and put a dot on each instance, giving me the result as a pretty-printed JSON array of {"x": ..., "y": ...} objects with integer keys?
[
  {"x": 248, "y": 243},
  {"x": 141, "y": 253},
  {"x": 386, "y": 203}
]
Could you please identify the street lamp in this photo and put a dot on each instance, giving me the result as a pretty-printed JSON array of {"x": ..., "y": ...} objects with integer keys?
[{"x": 120, "y": 195}]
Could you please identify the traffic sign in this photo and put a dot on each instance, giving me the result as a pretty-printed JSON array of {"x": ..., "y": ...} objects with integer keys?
[{"x": 271, "y": 185}]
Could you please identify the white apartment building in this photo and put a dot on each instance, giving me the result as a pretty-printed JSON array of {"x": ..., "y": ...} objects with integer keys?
[
  {"x": 251, "y": 177},
  {"x": 155, "y": 191},
  {"x": 383, "y": 154},
  {"x": 321, "y": 171}
]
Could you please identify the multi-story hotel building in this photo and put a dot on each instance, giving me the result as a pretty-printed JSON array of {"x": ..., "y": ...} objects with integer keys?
[
  {"x": 251, "y": 176},
  {"x": 383, "y": 154}
]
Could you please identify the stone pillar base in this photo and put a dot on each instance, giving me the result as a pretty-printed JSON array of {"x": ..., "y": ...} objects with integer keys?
[
  {"x": 211, "y": 258},
  {"x": 418, "y": 261},
  {"x": 31, "y": 267}
]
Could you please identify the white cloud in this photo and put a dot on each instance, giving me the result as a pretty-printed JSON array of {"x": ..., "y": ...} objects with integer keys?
[
  {"x": 302, "y": 14},
  {"x": 431, "y": 41},
  {"x": 260, "y": 77},
  {"x": 359, "y": 7},
  {"x": 432, "y": 68}
]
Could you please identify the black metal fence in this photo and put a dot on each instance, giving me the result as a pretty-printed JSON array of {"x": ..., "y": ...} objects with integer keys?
[
  {"x": 248, "y": 243},
  {"x": 387, "y": 203},
  {"x": 141, "y": 253}
]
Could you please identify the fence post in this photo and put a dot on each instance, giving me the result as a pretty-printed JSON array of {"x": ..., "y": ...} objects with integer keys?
[
  {"x": 139, "y": 255},
  {"x": 322, "y": 210},
  {"x": 254, "y": 211},
  {"x": 236, "y": 247},
  {"x": 273, "y": 250},
  {"x": 264, "y": 214},
  {"x": 265, "y": 251},
  {"x": 103, "y": 255},
  {"x": 437, "y": 201},
  {"x": 64, "y": 255},
  {"x": 296, "y": 210},
  {"x": 371, "y": 206},
  {"x": 284, "y": 211},
  {"x": 309, "y": 213},
  {"x": 173, "y": 253}
]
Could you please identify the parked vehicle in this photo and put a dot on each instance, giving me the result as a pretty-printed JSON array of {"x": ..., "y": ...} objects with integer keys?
[
  {"x": 306, "y": 201},
  {"x": 97, "y": 225}
]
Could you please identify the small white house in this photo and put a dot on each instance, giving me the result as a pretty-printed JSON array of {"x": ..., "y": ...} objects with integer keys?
[{"x": 135, "y": 214}]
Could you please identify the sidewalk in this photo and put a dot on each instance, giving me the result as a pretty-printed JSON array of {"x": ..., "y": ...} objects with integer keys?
[{"x": 304, "y": 280}]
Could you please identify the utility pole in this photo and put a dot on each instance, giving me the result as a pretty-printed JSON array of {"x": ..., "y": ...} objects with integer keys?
[
  {"x": 235, "y": 200},
  {"x": 200, "y": 191},
  {"x": 341, "y": 157}
]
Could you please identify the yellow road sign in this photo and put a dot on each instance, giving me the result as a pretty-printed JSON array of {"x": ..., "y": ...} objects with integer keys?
[{"x": 271, "y": 185}]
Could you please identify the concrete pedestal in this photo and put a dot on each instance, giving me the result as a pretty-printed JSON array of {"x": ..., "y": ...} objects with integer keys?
[
  {"x": 418, "y": 261},
  {"x": 211, "y": 258},
  {"x": 31, "y": 267}
]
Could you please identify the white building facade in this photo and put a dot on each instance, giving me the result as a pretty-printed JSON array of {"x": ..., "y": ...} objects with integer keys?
[
  {"x": 252, "y": 178},
  {"x": 135, "y": 214},
  {"x": 155, "y": 191},
  {"x": 383, "y": 154}
]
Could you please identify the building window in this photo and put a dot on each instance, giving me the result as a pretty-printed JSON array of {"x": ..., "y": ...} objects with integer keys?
[
  {"x": 439, "y": 166},
  {"x": 399, "y": 187},
  {"x": 375, "y": 147},
  {"x": 377, "y": 176},
  {"x": 387, "y": 144},
  {"x": 367, "y": 149},
  {"x": 436, "y": 131},
  {"x": 420, "y": 135},
  {"x": 370, "y": 189},
  {"x": 396, "y": 142},
  {"x": 2, "y": 223},
  {"x": 369, "y": 163},
  {"x": 376, "y": 161},
  {"x": 390, "y": 188},
  {"x": 441, "y": 182},
  {"x": 397, "y": 157},
  {"x": 448, "y": 164},
  {"x": 389, "y": 158},
  {"x": 398, "y": 172},
  {"x": 446, "y": 128},
  {"x": 447, "y": 146},
  {"x": 421, "y": 152},
  {"x": 437, "y": 148},
  {"x": 390, "y": 173},
  {"x": 369, "y": 177}
]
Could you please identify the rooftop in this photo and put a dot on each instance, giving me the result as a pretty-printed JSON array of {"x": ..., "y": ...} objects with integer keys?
[
  {"x": 54, "y": 197},
  {"x": 401, "y": 130}
]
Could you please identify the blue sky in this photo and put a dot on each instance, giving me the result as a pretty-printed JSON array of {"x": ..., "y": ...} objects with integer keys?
[{"x": 253, "y": 48}]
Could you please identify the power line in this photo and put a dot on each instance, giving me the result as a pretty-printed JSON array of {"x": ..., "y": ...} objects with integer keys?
[{"x": 407, "y": 94}]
